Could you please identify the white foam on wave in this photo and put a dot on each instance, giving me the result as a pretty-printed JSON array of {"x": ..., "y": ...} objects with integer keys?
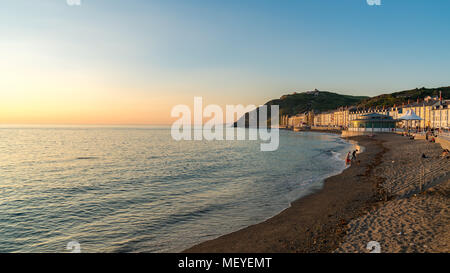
[{"x": 336, "y": 155}]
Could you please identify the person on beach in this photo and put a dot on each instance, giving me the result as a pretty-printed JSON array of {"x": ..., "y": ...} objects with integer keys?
[
  {"x": 348, "y": 159},
  {"x": 354, "y": 155}
]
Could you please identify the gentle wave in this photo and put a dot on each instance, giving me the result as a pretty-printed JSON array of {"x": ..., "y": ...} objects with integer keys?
[{"x": 137, "y": 190}]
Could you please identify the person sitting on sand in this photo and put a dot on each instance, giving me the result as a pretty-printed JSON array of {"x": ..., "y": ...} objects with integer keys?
[
  {"x": 445, "y": 153},
  {"x": 424, "y": 156}
]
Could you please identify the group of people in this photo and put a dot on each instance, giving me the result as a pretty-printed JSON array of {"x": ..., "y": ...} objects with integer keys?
[
  {"x": 430, "y": 137},
  {"x": 351, "y": 156},
  {"x": 408, "y": 134}
]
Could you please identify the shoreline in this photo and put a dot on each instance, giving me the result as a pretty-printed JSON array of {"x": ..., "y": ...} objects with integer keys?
[
  {"x": 327, "y": 131},
  {"x": 377, "y": 198},
  {"x": 324, "y": 213}
]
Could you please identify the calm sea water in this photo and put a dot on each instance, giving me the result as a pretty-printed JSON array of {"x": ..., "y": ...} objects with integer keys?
[{"x": 137, "y": 190}]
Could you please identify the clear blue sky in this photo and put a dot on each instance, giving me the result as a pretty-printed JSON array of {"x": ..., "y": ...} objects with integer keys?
[{"x": 246, "y": 51}]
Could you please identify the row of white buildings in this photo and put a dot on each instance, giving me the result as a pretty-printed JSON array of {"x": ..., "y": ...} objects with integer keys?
[{"x": 434, "y": 111}]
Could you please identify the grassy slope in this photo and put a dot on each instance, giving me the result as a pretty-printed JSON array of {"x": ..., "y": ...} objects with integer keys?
[
  {"x": 324, "y": 101},
  {"x": 303, "y": 102},
  {"x": 398, "y": 98}
]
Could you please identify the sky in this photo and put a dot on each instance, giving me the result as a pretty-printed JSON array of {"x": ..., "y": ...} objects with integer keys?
[{"x": 131, "y": 61}]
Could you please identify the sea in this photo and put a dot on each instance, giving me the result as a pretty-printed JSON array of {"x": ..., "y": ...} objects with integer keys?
[{"x": 136, "y": 189}]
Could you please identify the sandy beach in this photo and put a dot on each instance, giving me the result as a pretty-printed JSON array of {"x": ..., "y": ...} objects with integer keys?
[
  {"x": 414, "y": 219},
  {"x": 390, "y": 195}
]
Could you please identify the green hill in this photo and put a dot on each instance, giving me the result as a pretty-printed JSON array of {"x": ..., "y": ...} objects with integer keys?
[
  {"x": 318, "y": 101},
  {"x": 398, "y": 98}
]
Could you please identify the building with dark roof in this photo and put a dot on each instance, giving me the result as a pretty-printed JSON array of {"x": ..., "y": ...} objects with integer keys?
[{"x": 373, "y": 122}]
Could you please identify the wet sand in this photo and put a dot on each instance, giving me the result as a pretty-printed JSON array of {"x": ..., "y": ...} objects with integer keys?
[{"x": 336, "y": 218}]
